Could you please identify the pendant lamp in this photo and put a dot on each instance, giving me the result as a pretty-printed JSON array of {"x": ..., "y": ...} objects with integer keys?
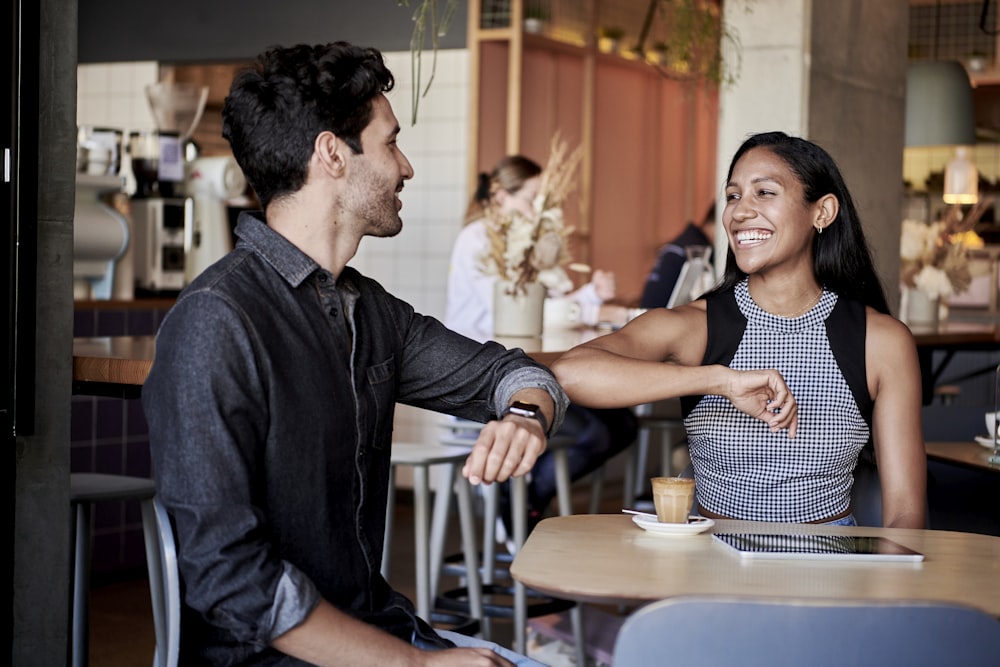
[
  {"x": 961, "y": 179},
  {"x": 939, "y": 112}
]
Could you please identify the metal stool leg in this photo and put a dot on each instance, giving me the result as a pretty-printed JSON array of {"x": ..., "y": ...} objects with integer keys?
[
  {"x": 491, "y": 502},
  {"x": 519, "y": 513},
  {"x": 468, "y": 526},
  {"x": 576, "y": 617},
  {"x": 81, "y": 585},
  {"x": 439, "y": 520},
  {"x": 421, "y": 538},
  {"x": 628, "y": 484},
  {"x": 596, "y": 490},
  {"x": 562, "y": 484}
]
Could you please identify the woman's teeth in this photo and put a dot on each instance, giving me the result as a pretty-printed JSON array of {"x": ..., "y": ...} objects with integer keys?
[{"x": 752, "y": 236}]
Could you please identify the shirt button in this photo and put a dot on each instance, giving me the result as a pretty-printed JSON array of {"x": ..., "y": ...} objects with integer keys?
[
  {"x": 333, "y": 312},
  {"x": 321, "y": 277}
]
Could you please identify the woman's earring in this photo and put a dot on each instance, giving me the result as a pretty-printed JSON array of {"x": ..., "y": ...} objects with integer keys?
[{"x": 819, "y": 229}]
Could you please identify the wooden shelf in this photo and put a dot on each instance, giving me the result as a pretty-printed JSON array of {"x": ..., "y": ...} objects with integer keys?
[
  {"x": 989, "y": 77},
  {"x": 648, "y": 140}
]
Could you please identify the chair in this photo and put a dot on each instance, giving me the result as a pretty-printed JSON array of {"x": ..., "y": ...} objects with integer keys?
[
  {"x": 705, "y": 631},
  {"x": 866, "y": 493},
  {"x": 85, "y": 489},
  {"x": 165, "y": 589}
]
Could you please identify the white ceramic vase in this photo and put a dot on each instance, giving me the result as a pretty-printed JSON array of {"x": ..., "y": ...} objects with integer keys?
[
  {"x": 920, "y": 309},
  {"x": 518, "y": 315}
]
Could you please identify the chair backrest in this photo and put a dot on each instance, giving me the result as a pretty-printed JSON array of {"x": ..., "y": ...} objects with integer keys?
[
  {"x": 709, "y": 631},
  {"x": 165, "y": 590},
  {"x": 866, "y": 494}
]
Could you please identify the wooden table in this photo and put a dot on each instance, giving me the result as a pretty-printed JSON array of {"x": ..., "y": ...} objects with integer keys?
[
  {"x": 965, "y": 454},
  {"x": 552, "y": 344},
  {"x": 605, "y": 558},
  {"x": 112, "y": 365}
]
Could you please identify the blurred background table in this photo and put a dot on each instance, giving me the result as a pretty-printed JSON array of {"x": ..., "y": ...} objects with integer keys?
[{"x": 966, "y": 454}]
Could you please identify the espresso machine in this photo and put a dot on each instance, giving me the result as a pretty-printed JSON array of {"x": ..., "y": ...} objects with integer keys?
[{"x": 162, "y": 213}]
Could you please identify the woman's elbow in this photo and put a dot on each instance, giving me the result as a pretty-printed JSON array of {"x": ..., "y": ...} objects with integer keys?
[{"x": 566, "y": 372}]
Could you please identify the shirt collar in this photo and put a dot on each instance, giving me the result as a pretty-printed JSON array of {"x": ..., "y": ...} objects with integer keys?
[{"x": 291, "y": 263}]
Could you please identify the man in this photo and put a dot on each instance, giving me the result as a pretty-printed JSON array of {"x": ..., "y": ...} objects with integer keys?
[
  {"x": 271, "y": 400},
  {"x": 662, "y": 279}
]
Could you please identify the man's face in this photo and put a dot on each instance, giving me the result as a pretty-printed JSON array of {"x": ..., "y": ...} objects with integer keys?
[{"x": 376, "y": 176}]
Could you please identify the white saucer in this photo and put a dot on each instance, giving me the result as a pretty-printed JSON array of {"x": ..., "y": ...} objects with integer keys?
[
  {"x": 985, "y": 441},
  {"x": 695, "y": 525}
]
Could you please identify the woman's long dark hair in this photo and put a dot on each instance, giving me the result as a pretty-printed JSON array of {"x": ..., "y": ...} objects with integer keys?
[{"x": 842, "y": 261}]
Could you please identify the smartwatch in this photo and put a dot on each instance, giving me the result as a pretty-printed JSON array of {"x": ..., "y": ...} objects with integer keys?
[{"x": 528, "y": 410}]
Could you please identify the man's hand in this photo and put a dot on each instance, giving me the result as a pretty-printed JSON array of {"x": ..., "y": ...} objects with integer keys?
[
  {"x": 765, "y": 396},
  {"x": 505, "y": 448}
]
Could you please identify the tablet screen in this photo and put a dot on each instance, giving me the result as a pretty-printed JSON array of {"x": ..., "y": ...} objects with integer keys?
[{"x": 849, "y": 547}]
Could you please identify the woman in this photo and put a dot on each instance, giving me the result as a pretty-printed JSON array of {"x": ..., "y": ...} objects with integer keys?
[
  {"x": 598, "y": 434},
  {"x": 789, "y": 366},
  {"x": 511, "y": 186}
]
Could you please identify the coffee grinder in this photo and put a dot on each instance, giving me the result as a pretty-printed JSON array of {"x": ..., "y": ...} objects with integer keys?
[
  {"x": 210, "y": 182},
  {"x": 163, "y": 216}
]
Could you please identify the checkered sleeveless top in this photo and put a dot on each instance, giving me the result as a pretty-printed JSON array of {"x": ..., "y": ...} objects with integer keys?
[{"x": 742, "y": 469}]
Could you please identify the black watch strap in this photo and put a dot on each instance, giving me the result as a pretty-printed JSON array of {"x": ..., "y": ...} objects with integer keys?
[
  {"x": 531, "y": 410},
  {"x": 528, "y": 410}
]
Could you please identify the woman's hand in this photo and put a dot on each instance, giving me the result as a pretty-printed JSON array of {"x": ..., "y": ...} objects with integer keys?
[
  {"x": 604, "y": 284},
  {"x": 765, "y": 396}
]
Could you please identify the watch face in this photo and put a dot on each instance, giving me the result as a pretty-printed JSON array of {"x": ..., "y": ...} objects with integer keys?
[{"x": 524, "y": 409}]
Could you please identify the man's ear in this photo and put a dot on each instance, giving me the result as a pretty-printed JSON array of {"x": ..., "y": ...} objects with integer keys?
[{"x": 330, "y": 153}]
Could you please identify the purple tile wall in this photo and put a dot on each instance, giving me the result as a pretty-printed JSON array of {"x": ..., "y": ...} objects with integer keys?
[{"x": 110, "y": 435}]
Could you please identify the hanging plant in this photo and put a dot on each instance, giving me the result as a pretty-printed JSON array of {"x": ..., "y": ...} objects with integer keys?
[
  {"x": 693, "y": 38},
  {"x": 430, "y": 24}
]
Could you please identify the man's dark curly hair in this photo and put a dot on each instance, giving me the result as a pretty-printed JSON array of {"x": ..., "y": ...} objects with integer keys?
[{"x": 277, "y": 107}]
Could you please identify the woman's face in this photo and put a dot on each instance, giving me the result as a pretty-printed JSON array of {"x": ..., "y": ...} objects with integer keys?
[
  {"x": 766, "y": 218},
  {"x": 521, "y": 199}
]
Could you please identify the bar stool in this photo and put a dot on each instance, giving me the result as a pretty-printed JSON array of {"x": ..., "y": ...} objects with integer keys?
[
  {"x": 429, "y": 545},
  {"x": 462, "y": 432},
  {"x": 85, "y": 490},
  {"x": 664, "y": 417}
]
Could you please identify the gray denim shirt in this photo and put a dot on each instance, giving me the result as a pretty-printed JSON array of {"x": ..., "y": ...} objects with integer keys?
[{"x": 270, "y": 406}]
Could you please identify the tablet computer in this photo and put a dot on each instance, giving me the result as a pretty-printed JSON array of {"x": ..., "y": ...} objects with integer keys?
[{"x": 831, "y": 547}]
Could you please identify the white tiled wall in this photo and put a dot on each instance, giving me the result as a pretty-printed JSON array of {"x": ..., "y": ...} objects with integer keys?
[
  {"x": 413, "y": 265},
  {"x": 113, "y": 95}
]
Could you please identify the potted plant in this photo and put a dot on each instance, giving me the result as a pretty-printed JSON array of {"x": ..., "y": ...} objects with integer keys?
[
  {"x": 535, "y": 16},
  {"x": 657, "y": 53},
  {"x": 610, "y": 38},
  {"x": 976, "y": 62},
  {"x": 527, "y": 251}
]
